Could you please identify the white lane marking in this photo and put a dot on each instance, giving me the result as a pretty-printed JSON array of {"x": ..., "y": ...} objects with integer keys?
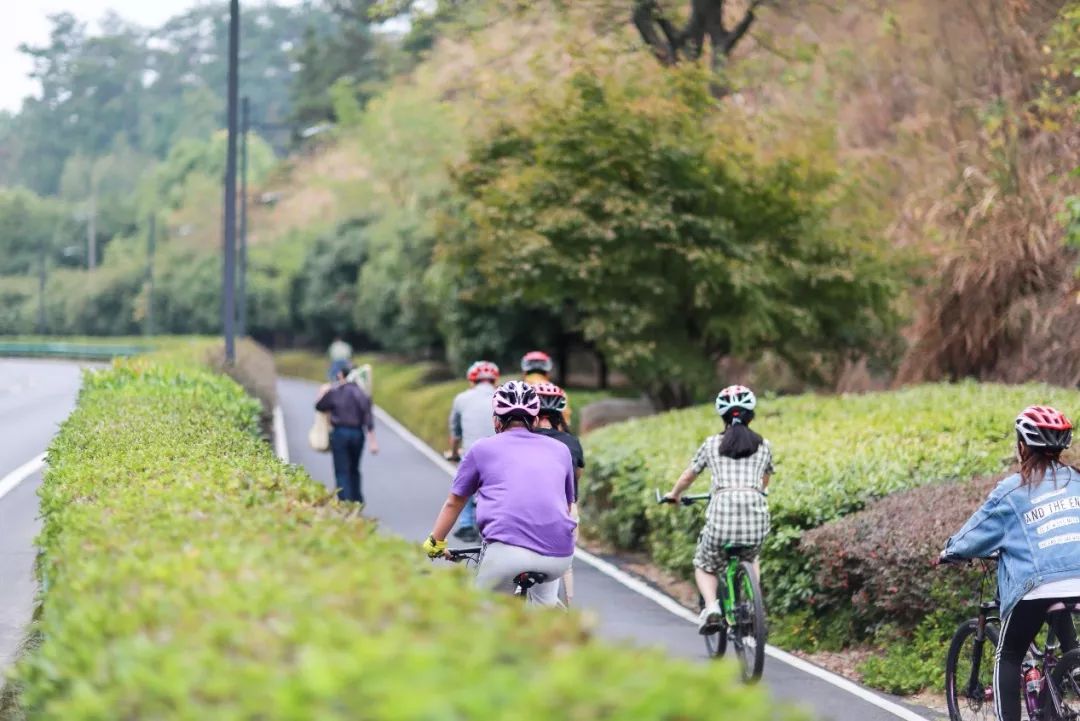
[
  {"x": 415, "y": 442},
  {"x": 666, "y": 602},
  {"x": 9, "y": 482},
  {"x": 281, "y": 442}
]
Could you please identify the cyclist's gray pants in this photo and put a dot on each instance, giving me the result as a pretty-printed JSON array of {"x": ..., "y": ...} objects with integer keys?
[{"x": 500, "y": 563}]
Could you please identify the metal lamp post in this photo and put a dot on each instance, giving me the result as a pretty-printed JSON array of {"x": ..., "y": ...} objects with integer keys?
[{"x": 228, "y": 309}]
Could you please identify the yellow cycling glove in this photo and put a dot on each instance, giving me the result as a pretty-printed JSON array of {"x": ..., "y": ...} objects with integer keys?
[{"x": 433, "y": 548}]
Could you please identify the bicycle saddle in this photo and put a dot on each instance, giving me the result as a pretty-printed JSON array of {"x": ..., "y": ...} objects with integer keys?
[{"x": 528, "y": 579}]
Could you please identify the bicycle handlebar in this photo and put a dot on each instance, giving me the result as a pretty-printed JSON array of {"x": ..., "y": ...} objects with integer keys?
[
  {"x": 945, "y": 560},
  {"x": 461, "y": 554},
  {"x": 684, "y": 500}
]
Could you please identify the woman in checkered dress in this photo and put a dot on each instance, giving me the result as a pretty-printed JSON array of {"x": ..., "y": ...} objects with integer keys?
[{"x": 738, "y": 516}]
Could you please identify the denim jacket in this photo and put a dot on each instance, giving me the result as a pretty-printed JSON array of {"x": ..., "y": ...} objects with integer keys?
[{"x": 1036, "y": 529}]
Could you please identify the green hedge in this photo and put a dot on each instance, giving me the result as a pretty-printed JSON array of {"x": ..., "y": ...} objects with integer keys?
[
  {"x": 875, "y": 582},
  {"x": 188, "y": 574},
  {"x": 833, "y": 455}
]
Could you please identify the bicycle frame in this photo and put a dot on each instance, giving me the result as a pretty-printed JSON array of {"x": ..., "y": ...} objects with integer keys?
[
  {"x": 1044, "y": 659},
  {"x": 728, "y": 599},
  {"x": 471, "y": 555},
  {"x": 727, "y": 594}
]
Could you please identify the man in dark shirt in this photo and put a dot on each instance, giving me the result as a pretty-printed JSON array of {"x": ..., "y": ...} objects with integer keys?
[{"x": 351, "y": 418}]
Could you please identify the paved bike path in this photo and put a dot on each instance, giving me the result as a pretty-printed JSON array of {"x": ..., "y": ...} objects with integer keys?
[
  {"x": 404, "y": 490},
  {"x": 35, "y": 396}
]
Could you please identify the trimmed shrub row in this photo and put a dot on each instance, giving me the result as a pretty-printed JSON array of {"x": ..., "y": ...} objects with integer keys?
[
  {"x": 874, "y": 582},
  {"x": 188, "y": 574}
]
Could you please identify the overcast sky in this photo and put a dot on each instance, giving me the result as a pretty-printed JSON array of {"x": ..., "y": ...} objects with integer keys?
[{"x": 25, "y": 21}]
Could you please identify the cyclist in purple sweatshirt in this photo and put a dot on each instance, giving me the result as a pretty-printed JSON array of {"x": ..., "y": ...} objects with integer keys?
[{"x": 524, "y": 486}]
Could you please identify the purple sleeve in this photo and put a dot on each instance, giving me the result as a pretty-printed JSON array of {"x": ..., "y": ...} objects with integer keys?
[
  {"x": 324, "y": 404},
  {"x": 467, "y": 479}
]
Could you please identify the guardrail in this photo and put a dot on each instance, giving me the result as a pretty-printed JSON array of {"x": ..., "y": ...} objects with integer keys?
[{"x": 83, "y": 351}]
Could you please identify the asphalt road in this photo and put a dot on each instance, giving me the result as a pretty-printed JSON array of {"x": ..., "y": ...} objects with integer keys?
[
  {"x": 404, "y": 490},
  {"x": 35, "y": 396}
]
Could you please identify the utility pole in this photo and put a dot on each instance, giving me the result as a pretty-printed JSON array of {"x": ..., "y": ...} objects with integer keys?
[
  {"x": 241, "y": 290},
  {"x": 151, "y": 243},
  {"x": 91, "y": 229},
  {"x": 228, "y": 306},
  {"x": 42, "y": 259}
]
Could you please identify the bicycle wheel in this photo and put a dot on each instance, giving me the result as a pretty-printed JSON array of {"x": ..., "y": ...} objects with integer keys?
[
  {"x": 715, "y": 643},
  {"x": 748, "y": 633},
  {"x": 1066, "y": 679},
  {"x": 969, "y": 673}
]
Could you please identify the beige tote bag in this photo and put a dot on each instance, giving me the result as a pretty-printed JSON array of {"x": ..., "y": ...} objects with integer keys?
[{"x": 319, "y": 435}]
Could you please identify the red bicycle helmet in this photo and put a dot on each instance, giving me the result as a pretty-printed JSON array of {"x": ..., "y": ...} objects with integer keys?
[
  {"x": 552, "y": 397},
  {"x": 1044, "y": 427},
  {"x": 536, "y": 361},
  {"x": 483, "y": 370}
]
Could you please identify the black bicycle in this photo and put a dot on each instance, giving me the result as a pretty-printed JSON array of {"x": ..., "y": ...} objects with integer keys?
[
  {"x": 1051, "y": 684},
  {"x": 522, "y": 582},
  {"x": 742, "y": 621}
]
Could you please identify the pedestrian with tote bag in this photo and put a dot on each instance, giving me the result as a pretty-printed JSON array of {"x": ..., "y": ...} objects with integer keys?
[{"x": 352, "y": 422}]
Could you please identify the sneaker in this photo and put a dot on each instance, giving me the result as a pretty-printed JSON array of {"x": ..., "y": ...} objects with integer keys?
[
  {"x": 709, "y": 622},
  {"x": 468, "y": 534}
]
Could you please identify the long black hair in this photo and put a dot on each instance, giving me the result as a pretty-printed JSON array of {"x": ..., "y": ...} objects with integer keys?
[{"x": 738, "y": 440}]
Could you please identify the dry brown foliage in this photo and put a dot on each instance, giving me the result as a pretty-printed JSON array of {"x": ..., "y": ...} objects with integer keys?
[{"x": 939, "y": 104}]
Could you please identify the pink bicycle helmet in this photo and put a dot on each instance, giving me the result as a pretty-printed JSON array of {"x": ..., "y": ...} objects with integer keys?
[
  {"x": 1044, "y": 427},
  {"x": 552, "y": 397},
  {"x": 516, "y": 398}
]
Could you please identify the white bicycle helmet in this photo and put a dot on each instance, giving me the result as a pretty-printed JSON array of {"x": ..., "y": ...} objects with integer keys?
[{"x": 735, "y": 397}]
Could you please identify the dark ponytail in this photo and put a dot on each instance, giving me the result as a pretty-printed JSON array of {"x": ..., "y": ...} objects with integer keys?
[{"x": 738, "y": 440}]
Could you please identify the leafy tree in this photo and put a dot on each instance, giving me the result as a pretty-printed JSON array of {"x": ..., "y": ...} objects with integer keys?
[
  {"x": 409, "y": 140},
  {"x": 325, "y": 291},
  {"x": 205, "y": 159},
  {"x": 353, "y": 54},
  {"x": 634, "y": 203},
  {"x": 427, "y": 20},
  {"x": 28, "y": 223}
]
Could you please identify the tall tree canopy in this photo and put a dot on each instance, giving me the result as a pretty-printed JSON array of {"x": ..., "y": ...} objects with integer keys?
[{"x": 634, "y": 208}]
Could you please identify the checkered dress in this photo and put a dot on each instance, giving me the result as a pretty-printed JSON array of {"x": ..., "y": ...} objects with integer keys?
[{"x": 738, "y": 514}]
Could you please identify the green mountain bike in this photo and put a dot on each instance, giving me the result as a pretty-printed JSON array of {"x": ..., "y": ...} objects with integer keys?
[{"x": 743, "y": 606}]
